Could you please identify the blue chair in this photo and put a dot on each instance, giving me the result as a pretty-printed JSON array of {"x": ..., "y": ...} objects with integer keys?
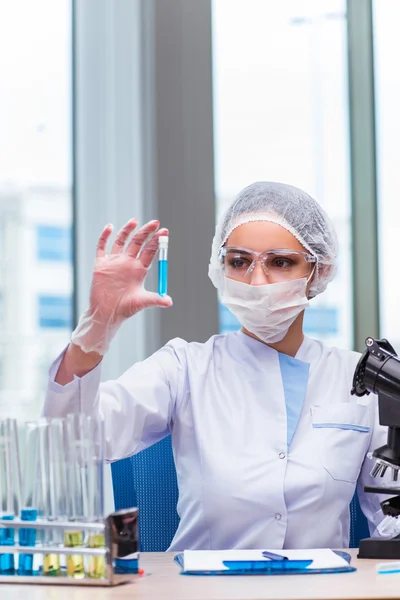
[
  {"x": 358, "y": 523},
  {"x": 148, "y": 480}
]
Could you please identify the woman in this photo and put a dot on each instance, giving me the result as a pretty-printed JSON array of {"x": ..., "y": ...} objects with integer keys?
[{"x": 268, "y": 442}]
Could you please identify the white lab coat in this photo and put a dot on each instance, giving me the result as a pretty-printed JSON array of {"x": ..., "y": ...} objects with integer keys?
[{"x": 240, "y": 486}]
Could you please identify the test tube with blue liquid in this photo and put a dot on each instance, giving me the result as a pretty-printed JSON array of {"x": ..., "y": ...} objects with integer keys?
[
  {"x": 163, "y": 265},
  {"x": 10, "y": 489},
  {"x": 29, "y": 502}
]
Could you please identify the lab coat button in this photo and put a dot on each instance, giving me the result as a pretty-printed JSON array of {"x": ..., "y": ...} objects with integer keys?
[
  {"x": 278, "y": 516},
  {"x": 282, "y": 455}
]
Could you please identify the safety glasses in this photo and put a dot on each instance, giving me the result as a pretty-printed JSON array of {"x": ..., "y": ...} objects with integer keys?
[{"x": 279, "y": 264}]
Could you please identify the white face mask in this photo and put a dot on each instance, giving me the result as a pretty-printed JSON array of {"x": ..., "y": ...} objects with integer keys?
[{"x": 266, "y": 310}]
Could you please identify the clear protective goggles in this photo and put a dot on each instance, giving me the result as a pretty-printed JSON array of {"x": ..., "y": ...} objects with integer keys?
[{"x": 278, "y": 265}]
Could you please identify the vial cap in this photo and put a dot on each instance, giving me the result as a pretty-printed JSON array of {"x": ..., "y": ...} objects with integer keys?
[{"x": 163, "y": 241}]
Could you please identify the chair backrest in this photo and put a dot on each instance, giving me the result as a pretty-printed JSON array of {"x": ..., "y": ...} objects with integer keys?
[
  {"x": 148, "y": 481},
  {"x": 358, "y": 523}
]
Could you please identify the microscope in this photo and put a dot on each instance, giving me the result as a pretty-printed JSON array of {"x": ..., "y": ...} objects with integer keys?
[{"x": 378, "y": 372}]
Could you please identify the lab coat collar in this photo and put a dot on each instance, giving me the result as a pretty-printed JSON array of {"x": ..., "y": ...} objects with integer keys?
[{"x": 259, "y": 347}]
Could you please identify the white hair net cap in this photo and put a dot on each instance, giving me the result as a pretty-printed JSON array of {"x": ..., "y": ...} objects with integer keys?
[{"x": 289, "y": 207}]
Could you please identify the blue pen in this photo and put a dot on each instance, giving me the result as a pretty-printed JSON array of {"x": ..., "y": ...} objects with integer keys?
[
  {"x": 273, "y": 556},
  {"x": 388, "y": 567},
  {"x": 163, "y": 265}
]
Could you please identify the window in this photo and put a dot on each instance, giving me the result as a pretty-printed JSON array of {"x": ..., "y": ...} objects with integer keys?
[
  {"x": 54, "y": 243},
  {"x": 387, "y": 102},
  {"x": 55, "y": 312},
  {"x": 35, "y": 197},
  {"x": 281, "y": 114}
]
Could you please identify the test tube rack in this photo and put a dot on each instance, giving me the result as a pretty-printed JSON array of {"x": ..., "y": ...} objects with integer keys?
[{"x": 120, "y": 530}]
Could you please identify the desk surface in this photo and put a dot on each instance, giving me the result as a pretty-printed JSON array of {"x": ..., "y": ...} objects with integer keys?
[{"x": 163, "y": 582}]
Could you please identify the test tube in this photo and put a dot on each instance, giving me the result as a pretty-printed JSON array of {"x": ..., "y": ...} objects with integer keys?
[
  {"x": 163, "y": 265},
  {"x": 77, "y": 495},
  {"x": 52, "y": 484},
  {"x": 10, "y": 488},
  {"x": 86, "y": 488},
  {"x": 96, "y": 567},
  {"x": 51, "y": 562},
  {"x": 27, "y": 537}
]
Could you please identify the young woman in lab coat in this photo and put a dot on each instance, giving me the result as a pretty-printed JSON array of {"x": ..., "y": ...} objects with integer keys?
[{"x": 269, "y": 444}]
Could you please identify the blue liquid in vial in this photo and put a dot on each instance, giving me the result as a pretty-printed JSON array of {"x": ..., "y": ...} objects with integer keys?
[
  {"x": 162, "y": 277},
  {"x": 126, "y": 565}
]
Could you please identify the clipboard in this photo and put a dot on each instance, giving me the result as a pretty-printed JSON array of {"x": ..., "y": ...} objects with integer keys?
[{"x": 270, "y": 567}]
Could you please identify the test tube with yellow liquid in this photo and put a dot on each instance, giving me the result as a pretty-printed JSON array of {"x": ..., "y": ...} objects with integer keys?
[
  {"x": 45, "y": 498},
  {"x": 77, "y": 458},
  {"x": 75, "y": 562},
  {"x": 96, "y": 565},
  {"x": 54, "y": 482}
]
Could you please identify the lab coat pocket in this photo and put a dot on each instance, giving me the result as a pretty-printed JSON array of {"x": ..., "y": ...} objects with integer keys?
[{"x": 342, "y": 436}]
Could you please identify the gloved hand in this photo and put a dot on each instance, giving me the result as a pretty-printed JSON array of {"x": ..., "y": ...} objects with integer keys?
[{"x": 117, "y": 290}]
